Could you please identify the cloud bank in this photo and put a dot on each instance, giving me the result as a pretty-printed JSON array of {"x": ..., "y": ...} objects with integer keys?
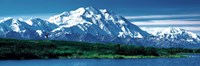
[{"x": 153, "y": 24}]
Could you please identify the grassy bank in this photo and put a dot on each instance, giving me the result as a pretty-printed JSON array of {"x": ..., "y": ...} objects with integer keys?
[{"x": 46, "y": 49}]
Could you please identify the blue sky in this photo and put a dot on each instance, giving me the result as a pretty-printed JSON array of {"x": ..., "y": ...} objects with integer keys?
[
  {"x": 145, "y": 13},
  {"x": 124, "y": 7}
]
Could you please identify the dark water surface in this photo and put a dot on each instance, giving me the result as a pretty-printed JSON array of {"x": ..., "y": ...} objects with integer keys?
[{"x": 194, "y": 60}]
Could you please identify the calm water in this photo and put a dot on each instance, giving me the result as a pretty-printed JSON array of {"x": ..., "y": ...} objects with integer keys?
[{"x": 193, "y": 61}]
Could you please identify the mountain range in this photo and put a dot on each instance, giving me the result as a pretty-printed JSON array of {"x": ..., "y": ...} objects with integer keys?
[
  {"x": 172, "y": 37},
  {"x": 97, "y": 26}
]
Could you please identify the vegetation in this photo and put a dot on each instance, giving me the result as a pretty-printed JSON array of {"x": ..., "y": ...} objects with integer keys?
[{"x": 52, "y": 49}]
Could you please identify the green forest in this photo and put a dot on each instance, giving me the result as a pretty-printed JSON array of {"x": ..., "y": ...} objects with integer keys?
[{"x": 53, "y": 49}]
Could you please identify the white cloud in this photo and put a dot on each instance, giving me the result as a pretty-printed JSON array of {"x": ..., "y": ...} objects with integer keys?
[
  {"x": 166, "y": 22},
  {"x": 161, "y": 16},
  {"x": 153, "y": 30},
  {"x": 161, "y": 28},
  {"x": 152, "y": 26}
]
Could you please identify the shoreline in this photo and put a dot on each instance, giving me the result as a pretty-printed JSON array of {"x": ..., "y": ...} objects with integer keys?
[
  {"x": 108, "y": 57},
  {"x": 124, "y": 57}
]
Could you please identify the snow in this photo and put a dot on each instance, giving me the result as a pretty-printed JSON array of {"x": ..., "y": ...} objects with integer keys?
[
  {"x": 57, "y": 19},
  {"x": 103, "y": 10},
  {"x": 123, "y": 29},
  {"x": 121, "y": 34},
  {"x": 189, "y": 40},
  {"x": 105, "y": 22},
  {"x": 81, "y": 28},
  {"x": 23, "y": 31},
  {"x": 70, "y": 19},
  {"x": 193, "y": 35},
  {"x": 173, "y": 37},
  {"x": 77, "y": 12},
  {"x": 174, "y": 32},
  {"x": 29, "y": 22},
  {"x": 4, "y": 19},
  {"x": 20, "y": 19},
  {"x": 98, "y": 17},
  {"x": 1, "y": 29},
  {"x": 122, "y": 22},
  {"x": 57, "y": 29},
  {"x": 39, "y": 32},
  {"x": 15, "y": 26},
  {"x": 138, "y": 35},
  {"x": 88, "y": 15},
  {"x": 171, "y": 30}
]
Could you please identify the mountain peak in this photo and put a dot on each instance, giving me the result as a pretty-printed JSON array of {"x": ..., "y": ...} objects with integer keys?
[
  {"x": 172, "y": 30},
  {"x": 90, "y": 8},
  {"x": 31, "y": 21},
  {"x": 95, "y": 21},
  {"x": 64, "y": 14},
  {"x": 10, "y": 20},
  {"x": 82, "y": 15},
  {"x": 6, "y": 19},
  {"x": 36, "y": 19},
  {"x": 173, "y": 37},
  {"x": 85, "y": 11},
  {"x": 78, "y": 11},
  {"x": 177, "y": 33}
]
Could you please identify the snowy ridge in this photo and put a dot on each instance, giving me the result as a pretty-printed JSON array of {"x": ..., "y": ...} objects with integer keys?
[
  {"x": 172, "y": 33},
  {"x": 84, "y": 24},
  {"x": 96, "y": 25},
  {"x": 97, "y": 22},
  {"x": 35, "y": 28},
  {"x": 173, "y": 37}
]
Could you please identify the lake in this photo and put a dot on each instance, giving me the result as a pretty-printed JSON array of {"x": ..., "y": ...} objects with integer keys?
[{"x": 194, "y": 60}]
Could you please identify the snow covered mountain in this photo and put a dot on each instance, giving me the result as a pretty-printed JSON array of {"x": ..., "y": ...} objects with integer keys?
[
  {"x": 31, "y": 29},
  {"x": 173, "y": 37},
  {"x": 95, "y": 25},
  {"x": 84, "y": 24}
]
